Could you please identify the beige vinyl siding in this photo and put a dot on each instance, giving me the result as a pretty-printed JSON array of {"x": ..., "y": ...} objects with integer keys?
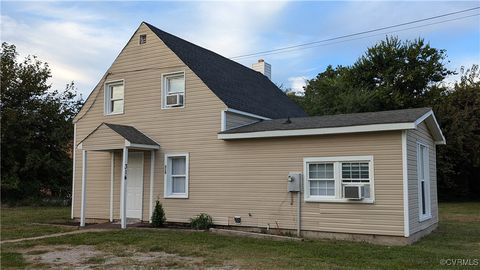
[
  {"x": 174, "y": 129},
  {"x": 233, "y": 120},
  {"x": 228, "y": 178},
  {"x": 421, "y": 134},
  {"x": 103, "y": 138}
]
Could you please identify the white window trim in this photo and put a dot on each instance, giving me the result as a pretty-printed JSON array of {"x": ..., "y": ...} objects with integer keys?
[
  {"x": 338, "y": 184},
  {"x": 164, "y": 89},
  {"x": 106, "y": 97},
  {"x": 166, "y": 193},
  {"x": 428, "y": 206}
]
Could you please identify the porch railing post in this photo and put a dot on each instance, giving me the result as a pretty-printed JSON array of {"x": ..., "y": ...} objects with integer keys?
[
  {"x": 112, "y": 170},
  {"x": 84, "y": 187},
  {"x": 152, "y": 180},
  {"x": 123, "y": 189}
]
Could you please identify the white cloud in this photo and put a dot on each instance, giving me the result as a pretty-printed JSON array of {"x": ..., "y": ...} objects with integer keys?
[
  {"x": 297, "y": 84},
  {"x": 79, "y": 43},
  {"x": 74, "y": 51},
  {"x": 228, "y": 28}
]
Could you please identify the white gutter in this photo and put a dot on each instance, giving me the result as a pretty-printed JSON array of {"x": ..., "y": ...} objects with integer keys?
[{"x": 317, "y": 131}]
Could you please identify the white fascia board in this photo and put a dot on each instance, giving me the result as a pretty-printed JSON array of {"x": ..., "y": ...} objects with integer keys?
[
  {"x": 247, "y": 114},
  {"x": 317, "y": 131},
  {"x": 140, "y": 146},
  {"x": 432, "y": 124}
]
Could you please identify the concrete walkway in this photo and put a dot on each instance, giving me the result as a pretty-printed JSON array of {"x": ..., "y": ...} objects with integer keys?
[{"x": 52, "y": 235}]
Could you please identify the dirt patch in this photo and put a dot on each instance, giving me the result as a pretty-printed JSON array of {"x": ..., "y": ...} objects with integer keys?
[{"x": 88, "y": 257}]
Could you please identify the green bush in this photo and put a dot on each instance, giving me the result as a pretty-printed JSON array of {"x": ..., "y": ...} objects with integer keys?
[
  {"x": 158, "y": 215},
  {"x": 201, "y": 222}
]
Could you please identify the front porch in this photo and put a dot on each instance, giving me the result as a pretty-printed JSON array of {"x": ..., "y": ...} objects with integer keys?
[{"x": 133, "y": 148}]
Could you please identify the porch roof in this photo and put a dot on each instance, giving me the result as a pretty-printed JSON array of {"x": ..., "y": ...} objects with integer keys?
[{"x": 113, "y": 136}]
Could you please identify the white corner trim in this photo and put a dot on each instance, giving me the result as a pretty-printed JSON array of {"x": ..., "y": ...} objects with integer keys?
[
  {"x": 247, "y": 114},
  {"x": 80, "y": 146},
  {"x": 73, "y": 167},
  {"x": 406, "y": 217},
  {"x": 318, "y": 131}
]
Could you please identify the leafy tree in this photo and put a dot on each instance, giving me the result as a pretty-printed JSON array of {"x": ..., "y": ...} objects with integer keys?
[
  {"x": 397, "y": 75},
  {"x": 36, "y": 130},
  {"x": 390, "y": 75},
  {"x": 459, "y": 161}
]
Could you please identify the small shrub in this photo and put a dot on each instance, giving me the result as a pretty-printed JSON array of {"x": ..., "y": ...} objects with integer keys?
[
  {"x": 158, "y": 215},
  {"x": 201, "y": 222}
]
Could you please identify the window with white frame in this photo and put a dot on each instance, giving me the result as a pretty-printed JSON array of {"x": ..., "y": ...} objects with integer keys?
[
  {"x": 326, "y": 177},
  {"x": 423, "y": 182},
  {"x": 114, "y": 97},
  {"x": 173, "y": 90},
  {"x": 176, "y": 176}
]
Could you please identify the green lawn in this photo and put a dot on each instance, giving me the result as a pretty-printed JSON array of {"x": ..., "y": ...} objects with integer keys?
[
  {"x": 458, "y": 237},
  {"x": 19, "y": 222}
]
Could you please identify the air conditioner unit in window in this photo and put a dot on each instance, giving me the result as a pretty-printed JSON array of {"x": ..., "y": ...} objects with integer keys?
[
  {"x": 174, "y": 100},
  {"x": 353, "y": 192}
]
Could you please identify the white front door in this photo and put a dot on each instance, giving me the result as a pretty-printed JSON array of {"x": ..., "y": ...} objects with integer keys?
[{"x": 135, "y": 185}]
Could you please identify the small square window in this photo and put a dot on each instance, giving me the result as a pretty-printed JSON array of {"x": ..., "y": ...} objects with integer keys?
[{"x": 143, "y": 39}]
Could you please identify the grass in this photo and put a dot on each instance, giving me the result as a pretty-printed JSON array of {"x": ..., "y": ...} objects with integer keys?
[
  {"x": 458, "y": 236},
  {"x": 19, "y": 222}
]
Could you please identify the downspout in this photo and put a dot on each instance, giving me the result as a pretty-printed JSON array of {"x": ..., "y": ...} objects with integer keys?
[{"x": 299, "y": 210}]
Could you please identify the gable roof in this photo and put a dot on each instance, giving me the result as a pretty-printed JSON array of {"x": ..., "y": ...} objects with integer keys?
[
  {"x": 340, "y": 123},
  {"x": 129, "y": 133},
  {"x": 239, "y": 87}
]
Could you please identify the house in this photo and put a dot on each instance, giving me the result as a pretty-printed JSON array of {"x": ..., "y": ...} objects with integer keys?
[{"x": 172, "y": 121}]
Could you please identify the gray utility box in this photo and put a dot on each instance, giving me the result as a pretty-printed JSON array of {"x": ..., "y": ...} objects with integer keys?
[{"x": 294, "y": 181}]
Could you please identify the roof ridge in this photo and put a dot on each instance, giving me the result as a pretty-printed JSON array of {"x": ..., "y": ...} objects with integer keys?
[
  {"x": 237, "y": 86},
  {"x": 202, "y": 48}
]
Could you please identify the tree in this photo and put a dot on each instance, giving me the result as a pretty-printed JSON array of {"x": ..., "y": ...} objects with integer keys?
[
  {"x": 36, "y": 129},
  {"x": 390, "y": 75},
  {"x": 459, "y": 161},
  {"x": 397, "y": 75}
]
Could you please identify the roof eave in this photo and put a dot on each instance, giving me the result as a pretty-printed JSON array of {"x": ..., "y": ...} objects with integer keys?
[
  {"x": 433, "y": 126},
  {"x": 317, "y": 131}
]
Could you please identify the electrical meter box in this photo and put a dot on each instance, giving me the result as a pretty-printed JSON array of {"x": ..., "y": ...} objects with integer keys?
[{"x": 294, "y": 181}]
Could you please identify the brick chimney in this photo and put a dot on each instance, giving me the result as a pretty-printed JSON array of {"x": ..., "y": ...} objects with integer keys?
[{"x": 263, "y": 67}]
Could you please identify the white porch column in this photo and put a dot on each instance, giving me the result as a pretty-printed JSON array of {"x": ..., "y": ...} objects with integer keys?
[
  {"x": 84, "y": 187},
  {"x": 112, "y": 169},
  {"x": 152, "y": 180},
  {"x": 123, "y": 189}
]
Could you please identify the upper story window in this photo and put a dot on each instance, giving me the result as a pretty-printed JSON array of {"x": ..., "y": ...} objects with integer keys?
[
  {"x": 114, "y": 97},
  {"x": 338, "y": 179},
  {"x": 173, "y": 90}
]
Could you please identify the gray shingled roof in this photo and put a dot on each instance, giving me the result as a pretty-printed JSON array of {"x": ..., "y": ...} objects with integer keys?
[
  {"x": 339, "y": 120},
  {"x": 237, "y": 86},
  {"x": 131, "y": 134}
]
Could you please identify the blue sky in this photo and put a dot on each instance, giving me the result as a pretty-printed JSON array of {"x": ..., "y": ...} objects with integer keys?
[{"x": 81, "y": 39}]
